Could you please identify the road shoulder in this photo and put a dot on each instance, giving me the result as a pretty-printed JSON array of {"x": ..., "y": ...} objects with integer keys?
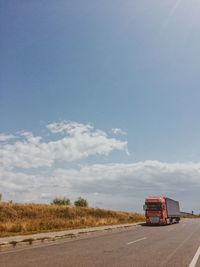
[{"x": 35, "y": 239}]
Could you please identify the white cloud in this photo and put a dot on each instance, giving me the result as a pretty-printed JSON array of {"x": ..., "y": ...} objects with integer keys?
[
  {"x": 79, "y": 141},
  {"x": 118, "y": 131},
  {"x": 6, "y": 137},
  {"x": 26, "y": 152},
  {"x": 70, "y": 127},
  {"x": 150, "y": 175}
]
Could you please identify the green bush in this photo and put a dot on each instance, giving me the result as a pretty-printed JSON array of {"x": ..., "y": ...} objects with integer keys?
[
  {"x": 81, "y": 202},
  {"x": 61, "y": 201}
]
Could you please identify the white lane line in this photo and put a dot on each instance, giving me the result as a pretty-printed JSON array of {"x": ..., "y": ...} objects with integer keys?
[
  {"x": 132, "y": 242},
  {"x": 177, "y": 248},
  {"x": 195, "y": 259}
]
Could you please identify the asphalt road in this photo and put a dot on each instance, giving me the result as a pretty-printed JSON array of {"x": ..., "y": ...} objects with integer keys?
[{"x": 141, "y": 246}]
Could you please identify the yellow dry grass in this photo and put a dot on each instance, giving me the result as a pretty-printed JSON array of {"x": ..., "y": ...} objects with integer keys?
[{"x": 34, "y": 218}]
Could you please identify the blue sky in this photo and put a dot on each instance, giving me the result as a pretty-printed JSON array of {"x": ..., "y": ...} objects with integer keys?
[{"x": 132, "y": 65}]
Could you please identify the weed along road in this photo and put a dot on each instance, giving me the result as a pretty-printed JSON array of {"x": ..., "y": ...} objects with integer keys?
[{"x": 176, "y": 245}]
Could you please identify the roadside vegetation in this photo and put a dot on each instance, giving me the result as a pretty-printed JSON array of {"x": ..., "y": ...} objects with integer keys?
[
  {"x": 192, "y": 216},
  {"x": 80, "y": 202},
  {"x": 61, "y": 201},
  {"x": 18, "y": 219}
]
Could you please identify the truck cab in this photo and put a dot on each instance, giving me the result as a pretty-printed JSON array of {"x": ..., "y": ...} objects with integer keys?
[{"x": 155, "y": 210}]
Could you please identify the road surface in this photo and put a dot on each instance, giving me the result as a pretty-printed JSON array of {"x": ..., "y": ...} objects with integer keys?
[{"x": 175, "y": 245}]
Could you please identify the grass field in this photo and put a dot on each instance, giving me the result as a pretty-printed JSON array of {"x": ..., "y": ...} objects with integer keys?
[{"x": 18, "y": 219}]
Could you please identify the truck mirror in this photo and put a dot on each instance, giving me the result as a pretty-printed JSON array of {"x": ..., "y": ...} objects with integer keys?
[{"x": 144, "y": 207}]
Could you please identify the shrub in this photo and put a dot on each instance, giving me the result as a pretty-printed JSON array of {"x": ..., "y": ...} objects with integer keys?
[
  {"x": 61, "y": 201},
  {"x": 81, "y": 202}
]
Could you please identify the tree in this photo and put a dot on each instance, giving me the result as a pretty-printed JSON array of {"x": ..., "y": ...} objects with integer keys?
[
  {"x": 61, "y": 201},
  {"x": 0, "y": 197},
  {"x": 81, "y": 202}
]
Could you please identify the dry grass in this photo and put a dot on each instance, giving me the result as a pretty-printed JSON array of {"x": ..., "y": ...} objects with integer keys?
[
  {"x": 190, "y": 216},
  {"x": 34, "y": 218}
]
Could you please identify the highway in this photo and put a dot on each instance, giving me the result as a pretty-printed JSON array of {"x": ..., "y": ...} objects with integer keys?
[{"x": 176, "y": 245}]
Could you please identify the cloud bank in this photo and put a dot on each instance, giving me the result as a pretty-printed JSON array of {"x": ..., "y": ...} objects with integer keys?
[
  {"x": 119, "y": 186},
  {"x": 29, "y": 170}
]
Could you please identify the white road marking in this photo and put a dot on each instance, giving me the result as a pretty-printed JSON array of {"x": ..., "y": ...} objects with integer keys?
[
  {"x": 177, "y": 248},
  {"x": 195, "y": 259},
  {"x": 132, "y": 242}
]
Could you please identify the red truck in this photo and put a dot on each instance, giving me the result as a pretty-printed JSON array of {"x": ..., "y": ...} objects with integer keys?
[{"x": 161, "y": 210}]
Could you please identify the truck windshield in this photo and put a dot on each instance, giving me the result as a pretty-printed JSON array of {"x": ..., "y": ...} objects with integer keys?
[{"x": 154, "y": 206}]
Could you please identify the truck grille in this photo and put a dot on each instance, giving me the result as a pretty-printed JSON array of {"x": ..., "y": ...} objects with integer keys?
[{"x": 154, "y": 219}]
